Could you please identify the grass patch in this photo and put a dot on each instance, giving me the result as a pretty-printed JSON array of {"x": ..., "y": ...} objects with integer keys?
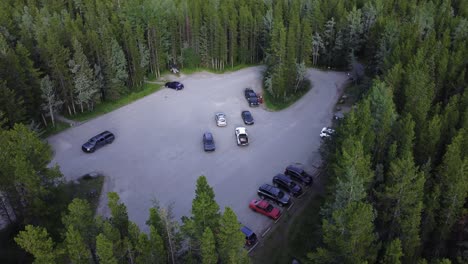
[
  {"x": 106, "y": 107},
  {"x": 226, "y": 69},
  {"x": 59, "y": 127},
  {"x": 277, "y": 104},
  {"x": 295, "y": 238}
]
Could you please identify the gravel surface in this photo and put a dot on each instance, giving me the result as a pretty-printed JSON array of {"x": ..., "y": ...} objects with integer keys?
[{"x": 158, "y": 152}]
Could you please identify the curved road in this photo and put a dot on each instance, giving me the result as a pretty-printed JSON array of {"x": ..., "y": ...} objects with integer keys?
[{"x": 157, "y": 153}]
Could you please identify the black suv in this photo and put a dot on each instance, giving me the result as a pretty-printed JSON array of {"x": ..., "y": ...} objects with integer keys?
[
  {"x": 273, "y": 193},
  {"x": 251, "y": 97},
  {"x": 285, "y": 183},
  {"x": 298, "y": 175},
  {"x": 98, "y": 141}
]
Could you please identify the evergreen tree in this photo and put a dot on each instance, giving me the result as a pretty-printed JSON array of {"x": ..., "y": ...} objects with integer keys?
[
  {"x": 205, "y": 210},
  {"x": 77, "y": 250},
  {"x": 349, "y": 236},
  {"x": 116, "y": 71},
  {"x": 230, "y": 239},
  {"x": 402, "y": 203},
  {"x": 84, "y": 85},
  {"x": 393, "y": 253},
  {"x": 38, "y": 243},
  {"x": 208, "y": 248},
  {"x": 453, "y": 184},
  {"x": 104, "y": 250}
]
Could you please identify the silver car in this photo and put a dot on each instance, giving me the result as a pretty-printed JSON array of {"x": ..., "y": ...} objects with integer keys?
[{"x": 220, "y": 119}]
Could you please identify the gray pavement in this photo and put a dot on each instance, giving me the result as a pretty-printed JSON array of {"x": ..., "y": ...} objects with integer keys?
[{"x": 158, "y": 152}]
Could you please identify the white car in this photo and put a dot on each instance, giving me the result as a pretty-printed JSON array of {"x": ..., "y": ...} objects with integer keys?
[
  {"x": 326, "y": 132},
  {"x": 220, "y": 119},
  {"x": 241, "y": 136}
]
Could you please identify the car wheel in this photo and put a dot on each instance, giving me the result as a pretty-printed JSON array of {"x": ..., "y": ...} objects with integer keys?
[
  {"x": 280, "y": 204},
  {"x": 92, "y": 150},
  {"x": 262, "y": 196}
]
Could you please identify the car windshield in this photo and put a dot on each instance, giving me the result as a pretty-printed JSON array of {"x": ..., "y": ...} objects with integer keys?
[
  {"x": 269, "y": 208},
  {"x": 247, "y": 115}
]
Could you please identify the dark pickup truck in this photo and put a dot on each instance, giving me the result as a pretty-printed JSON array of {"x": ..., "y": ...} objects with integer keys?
[{"x": 251, "y": 97}]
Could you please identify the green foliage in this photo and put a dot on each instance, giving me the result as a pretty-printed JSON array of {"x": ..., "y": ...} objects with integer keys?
[
  {"x": 24, "y": 162},
  {"x": 37, "y": 242},
  {"x": 76, "y": 247},
  {"x": 230, "y": 239},
  {"x": 208, "y": 248},
  {"x": 205, "y": 210},
  {"x": 104, "y": 250},
  {"x": 349, "y": 236},
  {"x": 393, "y": 253}
]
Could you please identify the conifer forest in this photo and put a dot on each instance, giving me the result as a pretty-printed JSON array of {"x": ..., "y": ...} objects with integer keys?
[{"x": 397, "y": 168}]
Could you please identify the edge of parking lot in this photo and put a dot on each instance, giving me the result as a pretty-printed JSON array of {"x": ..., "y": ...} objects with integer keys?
[{"x": 290, "y": 236}]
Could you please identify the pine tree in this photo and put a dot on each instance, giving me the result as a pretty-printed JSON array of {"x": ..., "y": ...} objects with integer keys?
[
  {"x": 80, "y": 218},
  {"x": 205, "y": 210},
  {"x": 230, "y": 238},
  {"x": 208, "y": 248},
  {"x": 77, "y": 250},
  {"x": 393, "y": 253},
  {"x": 116, "y": 71},
  {"x": 38, "y": 243},
  {"x": 402, "y": 204},
  {"x": 119, "y": 215},
  {"x": 83, "y": 79},
  {"x": 349, "y": 236},
  {"x": 104, "y": 250},
  {"x": 453, "y": 184}
]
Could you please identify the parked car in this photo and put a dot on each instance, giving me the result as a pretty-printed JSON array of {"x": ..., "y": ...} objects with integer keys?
[
  {"x": 98, "y": 141},
  {"x": 285, "y": 183},
  {"x": 326, "y": 132},
  {"x": 265, "y": 208},
  {"x": 250, "y": 236},
  {"x": 251, "y": 97},
  {"x": 298, "y": 174},
  {"x": 208, "y": 142},
  {"x": 174, "y": 85},
  {"x": 220, "y": 119},
  {"x": 247, "y": 117},
  {"x": 273, "y": 193},
  {"x": 241, "y": 136}
]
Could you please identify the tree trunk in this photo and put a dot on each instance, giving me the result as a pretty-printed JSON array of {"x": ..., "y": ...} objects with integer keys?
[
  {"x": 81, "y": 105},
  {"x": 44, "y": 120},
  {"x": 51, "y": 112}
]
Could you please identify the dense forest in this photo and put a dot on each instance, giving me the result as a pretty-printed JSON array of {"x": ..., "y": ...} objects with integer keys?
[{"x": 397, "y": 168}]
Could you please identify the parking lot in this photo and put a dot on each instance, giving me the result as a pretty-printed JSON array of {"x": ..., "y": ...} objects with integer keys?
[{"x": 158, "y": 151}]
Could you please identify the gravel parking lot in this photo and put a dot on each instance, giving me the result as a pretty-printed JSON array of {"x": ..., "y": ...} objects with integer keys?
[{"x": 158, "y": 151}]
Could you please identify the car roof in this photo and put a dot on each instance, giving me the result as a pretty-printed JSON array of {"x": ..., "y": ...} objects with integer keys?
[
  {"x": 247, "y": 232},
  {"x": 282, "y": 177},
  {"x": 208, "y": 135},
  {"x": 267, "y": 187},
  {"x": 241, "y": 129}
]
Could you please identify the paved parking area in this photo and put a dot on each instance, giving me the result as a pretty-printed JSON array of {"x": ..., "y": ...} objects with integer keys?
[{"x": 158, "y": 152}]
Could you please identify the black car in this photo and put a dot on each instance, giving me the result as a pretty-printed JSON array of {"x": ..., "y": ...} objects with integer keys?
[
  {"x": 298, "y": 174},
  {"x": 174, "y": 85},
  {"x": 98, "y": 141},
  {"x": 251, "y": 97},
  {"x": 208, "y": 142},
  {"x": 250, "y": 236},
  {"x": 285, "y": 183},
  {"x": 247, "y": 117},
  {"x": 273, "y": 193}
]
